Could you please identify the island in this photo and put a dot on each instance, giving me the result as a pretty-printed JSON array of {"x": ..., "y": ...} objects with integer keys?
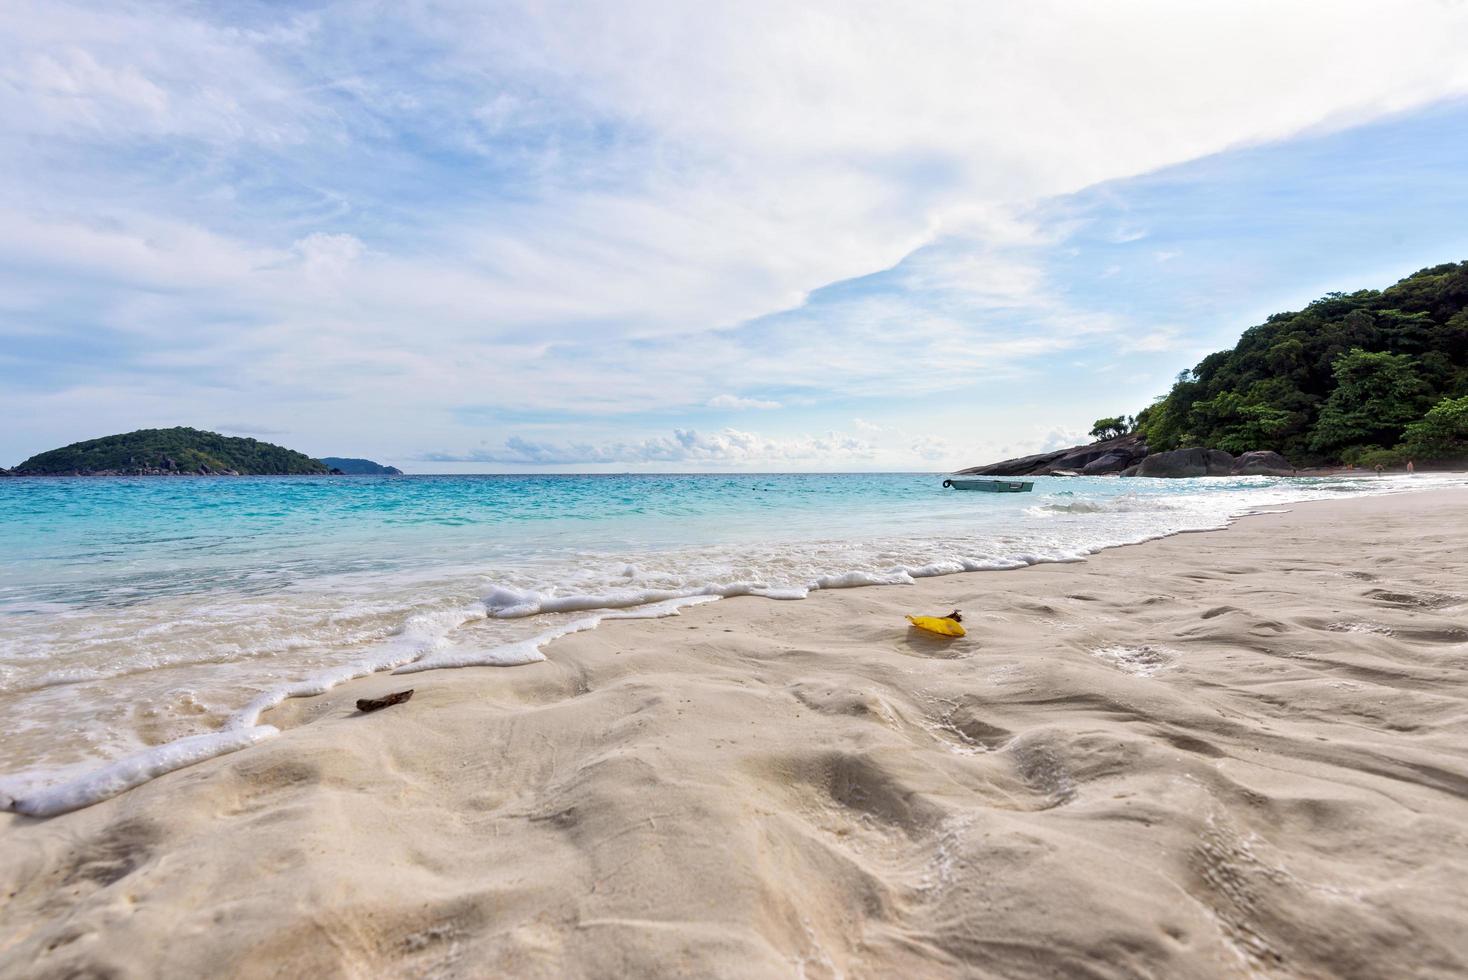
[
  {"x": 349, "y": 466},
  {"x": 1370, "y": 379},
  {"x": 179, "y": 451}
]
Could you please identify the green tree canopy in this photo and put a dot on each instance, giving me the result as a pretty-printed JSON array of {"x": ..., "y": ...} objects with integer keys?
[
  {"x": 179, "y": 449},
  {"x": 1375, "y": 396},
  {"x": 1350, "y": 370},
  {"x": 1110, "y": 428},
  {"x": 1442, "y": 432}
]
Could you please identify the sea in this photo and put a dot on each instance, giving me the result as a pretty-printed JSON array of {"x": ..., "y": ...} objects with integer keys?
[{"x": 147, "y": 623}]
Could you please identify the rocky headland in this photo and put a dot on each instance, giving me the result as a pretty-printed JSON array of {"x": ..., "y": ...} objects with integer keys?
[{"x": 1128, "y": 455}]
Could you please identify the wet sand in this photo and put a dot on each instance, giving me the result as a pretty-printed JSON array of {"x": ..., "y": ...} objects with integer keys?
[{"x": 1229, "y": 754}]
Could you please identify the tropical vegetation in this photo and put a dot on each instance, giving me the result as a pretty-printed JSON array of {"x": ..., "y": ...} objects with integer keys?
[
  {"x": 180, "y": 449},
  {"x": 1365, "y": 377},
  {"x": 352, "y": 466}
]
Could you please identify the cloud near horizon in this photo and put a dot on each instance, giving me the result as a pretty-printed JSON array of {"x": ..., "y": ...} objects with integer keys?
[
  {"x": 385, "y": 228},
  {"x": 728, "y": 447},
  {"x": 736, "y": 402}
]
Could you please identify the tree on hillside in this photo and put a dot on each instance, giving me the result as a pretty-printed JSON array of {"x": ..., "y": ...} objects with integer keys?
[
  {"x": 1442, "y": 433},
  {"x": 1242, "y": 423},
  {"x": 1376, "y": 395},
  {"x": 1111, "y": 428}
]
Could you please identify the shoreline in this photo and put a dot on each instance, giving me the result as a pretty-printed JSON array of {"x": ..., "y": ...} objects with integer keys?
[
  {"x": 405, "y": 654},
  {"x": 1195, "y": 756}
]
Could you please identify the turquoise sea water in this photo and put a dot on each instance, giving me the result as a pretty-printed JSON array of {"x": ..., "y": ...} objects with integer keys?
[{"x": 138, "y": 612}]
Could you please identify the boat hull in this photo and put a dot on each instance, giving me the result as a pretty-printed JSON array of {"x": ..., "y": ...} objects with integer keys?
[{"x": 991, "y": 486}]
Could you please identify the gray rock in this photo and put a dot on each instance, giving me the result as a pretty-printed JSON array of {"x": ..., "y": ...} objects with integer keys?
[
  {"x": 1174, "y": 463},
  {"x": 1262, "y": 462},
  {"x": 1075, "y": 459},
  {"x": 1127, "y": 449},
  {"x": 1193, "y": 462},
  {"x": 1131, "y": 470},
  {"x": 1110, "y": 463},
  {"x": 1020, "y": 466}
]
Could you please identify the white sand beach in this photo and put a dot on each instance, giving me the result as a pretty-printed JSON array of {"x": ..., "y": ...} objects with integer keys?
[{"x": 1226, "y": 754}]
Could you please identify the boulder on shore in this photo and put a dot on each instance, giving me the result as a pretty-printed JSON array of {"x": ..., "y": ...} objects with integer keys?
[
  {"x": 1220, "y": 463},
  {"x": 1262, "y": 462},
  {"x": 1097, "y": 459},
  {"x": 1110, "y": 463},
  {"x": 1177, "y": 463}
]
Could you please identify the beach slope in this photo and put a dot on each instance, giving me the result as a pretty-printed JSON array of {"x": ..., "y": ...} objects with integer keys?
[{"x": 1235, "y": 753}]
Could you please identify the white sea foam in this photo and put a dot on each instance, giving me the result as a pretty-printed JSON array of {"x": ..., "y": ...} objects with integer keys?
[
  {"x": 529, "y": 651},
  {"x": 507, "y": 603},
  {"x": 125, "y": 773},
  {"x": 853, "y": 580},
  {"x": 420, "y": 647}
]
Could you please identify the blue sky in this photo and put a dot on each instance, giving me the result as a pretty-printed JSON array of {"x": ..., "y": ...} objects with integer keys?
[{"x": 490, "y": 237}]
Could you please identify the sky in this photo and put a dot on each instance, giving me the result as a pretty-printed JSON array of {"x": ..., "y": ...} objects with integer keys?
[{"x": 510, "y": 237}]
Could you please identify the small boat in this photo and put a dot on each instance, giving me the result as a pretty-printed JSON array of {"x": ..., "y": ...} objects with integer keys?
[{"x": 992, "y": 486}]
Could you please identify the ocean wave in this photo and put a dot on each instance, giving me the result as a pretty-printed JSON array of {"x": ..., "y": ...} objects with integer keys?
[
  {"x": 1126, "y": 504},
  {"x": 127, "y": 772},
  {"x": 419, "y": 647}
]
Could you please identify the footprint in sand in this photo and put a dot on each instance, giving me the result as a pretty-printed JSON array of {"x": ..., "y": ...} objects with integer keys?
[
  {"x": 1142, "y": 661},
  {"x": 1415, "y": 600},
  {"x": 1354, "y": 627}
]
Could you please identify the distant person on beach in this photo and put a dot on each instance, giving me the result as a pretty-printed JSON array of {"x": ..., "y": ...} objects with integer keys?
[
  {"x": 1410, "y": 468},
  {"x": 1379, "y": 469}
]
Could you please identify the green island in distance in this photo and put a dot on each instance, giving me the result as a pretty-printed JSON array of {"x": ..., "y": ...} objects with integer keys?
[
  {"x": 183, "y": 451},
  {"x": 349, "y": 466}
]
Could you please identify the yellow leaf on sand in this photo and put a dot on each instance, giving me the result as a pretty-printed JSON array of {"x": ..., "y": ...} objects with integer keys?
[{"x": 943, "y": 626}]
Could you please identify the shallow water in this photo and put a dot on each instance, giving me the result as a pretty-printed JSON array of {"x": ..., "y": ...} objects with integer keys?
[{"x": 136, "y": 612}]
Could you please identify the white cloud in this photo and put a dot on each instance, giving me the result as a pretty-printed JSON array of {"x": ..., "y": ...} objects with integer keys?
[
  {"x": 503, "y": 204},
  {"x": 932, "y": 448},
  {"x": 126, "y": 72},
  {"x": 1126, "y": 234},
  {"x": 684, "y": 447},
  {"x": 738, "y": 404},
  {"x": 327, "y": 257},
  {"x": 1057, "y": 437},
  {"x": 1161, "y": 339},
  {"x": 249, "y": 429}
]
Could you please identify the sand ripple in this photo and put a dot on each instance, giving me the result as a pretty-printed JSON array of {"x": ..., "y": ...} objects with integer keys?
[{"x": 1224, "y": 755}]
